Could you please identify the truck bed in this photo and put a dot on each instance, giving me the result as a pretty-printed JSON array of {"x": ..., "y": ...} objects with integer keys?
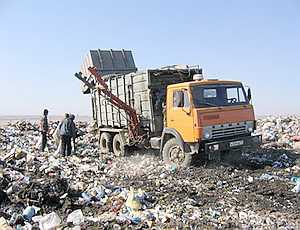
[{"x": 145, "y": 91}]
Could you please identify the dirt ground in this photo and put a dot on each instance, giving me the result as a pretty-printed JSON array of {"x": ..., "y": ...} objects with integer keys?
[{"x": 217, "y": 196}]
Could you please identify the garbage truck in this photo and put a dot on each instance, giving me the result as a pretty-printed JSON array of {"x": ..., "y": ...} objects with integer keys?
[{"x": 172, "y": 109}]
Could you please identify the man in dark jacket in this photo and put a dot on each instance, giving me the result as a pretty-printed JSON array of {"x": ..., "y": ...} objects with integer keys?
[
  {"x": 44, "y": 128},
  {"x": 67, "y": 131},
  {"x": 72, "y": 117}
]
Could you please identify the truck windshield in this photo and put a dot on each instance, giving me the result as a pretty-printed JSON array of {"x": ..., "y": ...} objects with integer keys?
[{"x": 218, "y": 95}]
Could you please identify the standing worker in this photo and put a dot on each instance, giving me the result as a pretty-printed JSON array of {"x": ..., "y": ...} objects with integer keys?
[
  {"x": 44, "y": 127},
  {"x": 72, "y": 117},
  {"x": 66, "y": 131}
]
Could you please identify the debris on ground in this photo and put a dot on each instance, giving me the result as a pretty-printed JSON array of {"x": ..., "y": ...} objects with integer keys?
[
  {"x": 280, "y": 131},
  {"x": 42, "y": 190}
]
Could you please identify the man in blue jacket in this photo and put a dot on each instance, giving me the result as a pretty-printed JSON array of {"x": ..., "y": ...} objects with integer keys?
[{"x": 67, "y": 131}]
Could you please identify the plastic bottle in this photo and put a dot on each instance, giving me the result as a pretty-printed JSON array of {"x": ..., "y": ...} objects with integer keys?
[{"x": 28, "y": 213}]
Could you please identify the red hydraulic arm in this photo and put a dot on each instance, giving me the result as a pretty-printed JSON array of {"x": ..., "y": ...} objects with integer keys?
[{"x": 133, "y": 117}]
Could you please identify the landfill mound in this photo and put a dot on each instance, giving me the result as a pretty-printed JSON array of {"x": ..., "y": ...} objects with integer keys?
[{"x": 46, "y": 191}]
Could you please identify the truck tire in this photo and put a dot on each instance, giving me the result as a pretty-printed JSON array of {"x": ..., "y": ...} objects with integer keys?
[
  {"x": 118, "y": 146},
  {"x": 172, "y": 153},
  {"x": 105, "y": 142}
]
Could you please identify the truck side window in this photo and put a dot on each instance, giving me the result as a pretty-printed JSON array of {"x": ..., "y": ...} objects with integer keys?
[
  {"x": 177, "y": 99},
  {"x": 235, "y": 95},
  {"x": 186, "y": 100},
  {"x": 181, "y": 99}
]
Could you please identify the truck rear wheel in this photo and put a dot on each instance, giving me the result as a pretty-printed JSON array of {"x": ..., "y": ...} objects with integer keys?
[
  {"x": 105, "y": 142},
  {"x": 118, "y": 146},
  {"x": 172, "y": 153}
]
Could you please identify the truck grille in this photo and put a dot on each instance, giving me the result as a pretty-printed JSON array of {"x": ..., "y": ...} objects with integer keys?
[{"x": 227, "y": 130}]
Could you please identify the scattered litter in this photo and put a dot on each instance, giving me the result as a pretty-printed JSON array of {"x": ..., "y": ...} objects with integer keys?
[
  {"x": 48, "y": 222},
  {"x": 28, "y": 213},
  {"x": 47, "y": 191},
  {"x": 281, "y": 131},
  {"x": 250, "y": 179},
  {"x": 266, "y": 176},
  {"x": 297, "y": 187},
  {"x": 295, "y": 179},
  {"x": 76, "y": 217},
  {"x": 4, "y": 225}
]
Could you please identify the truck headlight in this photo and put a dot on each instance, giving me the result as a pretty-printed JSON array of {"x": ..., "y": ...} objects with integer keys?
[
  {"x": 207, "y": 134},
  {"x": 250, "y": 126}
]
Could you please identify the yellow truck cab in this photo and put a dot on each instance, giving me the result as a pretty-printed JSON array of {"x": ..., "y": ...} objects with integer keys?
[{"x": 207, "y": 117}]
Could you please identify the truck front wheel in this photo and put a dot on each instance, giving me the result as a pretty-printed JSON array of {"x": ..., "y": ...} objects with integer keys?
[
  {"x": 118, "y": 146},
  {"x": 172, "y": 153}
]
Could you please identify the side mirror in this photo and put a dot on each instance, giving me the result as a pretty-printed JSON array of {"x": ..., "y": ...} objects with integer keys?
[{"x": 249, "y": 94}]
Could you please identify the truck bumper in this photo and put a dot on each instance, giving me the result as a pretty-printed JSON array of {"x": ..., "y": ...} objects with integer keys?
[{"x": 215, "y": 149}]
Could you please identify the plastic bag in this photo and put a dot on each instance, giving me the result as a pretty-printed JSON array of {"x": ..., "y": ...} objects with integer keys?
[
  {"x": 48, "y": 222},
  {"x": 76, "y": 217},
  {"x": 4, "y": 225},
  {"x": 56, "y": 136},
  {"x": 296, "y": 189},
  {"x": 39, "y": 143},
  {"x": 133, "y": 202}
]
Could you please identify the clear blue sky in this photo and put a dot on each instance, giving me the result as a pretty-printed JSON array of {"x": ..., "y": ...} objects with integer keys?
[{"x": 43, "y": 44}]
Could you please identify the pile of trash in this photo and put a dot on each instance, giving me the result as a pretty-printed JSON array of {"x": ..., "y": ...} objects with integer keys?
[
  {"x": 42, "y": 190},
  {"x": 280, "y": 131}
]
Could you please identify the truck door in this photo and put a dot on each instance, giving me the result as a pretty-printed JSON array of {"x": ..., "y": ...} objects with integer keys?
[{"x": 179, "y": 113}]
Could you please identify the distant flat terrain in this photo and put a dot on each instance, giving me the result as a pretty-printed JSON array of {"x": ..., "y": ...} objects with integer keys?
[{"x": 4, "y": 120}]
